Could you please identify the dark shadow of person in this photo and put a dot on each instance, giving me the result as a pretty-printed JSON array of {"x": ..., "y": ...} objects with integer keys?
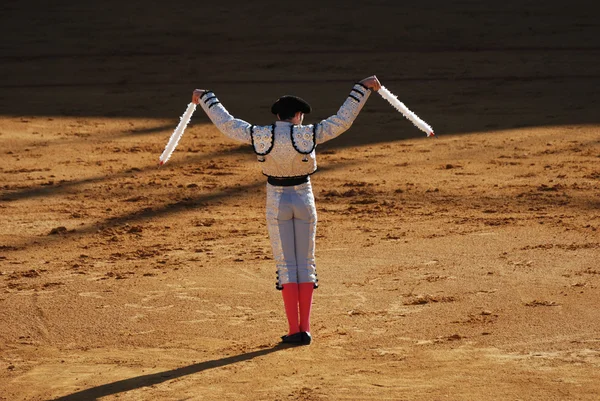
[{"x": 137, "y": 382}]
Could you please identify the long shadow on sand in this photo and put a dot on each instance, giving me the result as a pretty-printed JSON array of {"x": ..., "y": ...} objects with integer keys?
[
  {"x": 137, "y": 382},
  {"x": 157, "y": 211},
  {"x": 45, "y": 191}
]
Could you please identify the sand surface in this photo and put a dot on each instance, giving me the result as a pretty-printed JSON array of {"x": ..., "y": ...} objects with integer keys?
[{"x": 459, "y": 268}]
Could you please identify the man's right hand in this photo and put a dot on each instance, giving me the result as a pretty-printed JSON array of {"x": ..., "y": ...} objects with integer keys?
[
  {"x": 196, "y": 95},
  {"x": 372, "y": 83}
]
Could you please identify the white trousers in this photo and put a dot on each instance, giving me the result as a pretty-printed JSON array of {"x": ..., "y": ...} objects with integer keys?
[{"x": 292, "y": 225}]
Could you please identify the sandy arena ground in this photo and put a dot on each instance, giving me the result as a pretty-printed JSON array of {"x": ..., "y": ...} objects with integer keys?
[{"x": 458, "y": 268}]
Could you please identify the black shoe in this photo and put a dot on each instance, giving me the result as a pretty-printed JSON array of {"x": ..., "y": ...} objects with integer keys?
[
  {"x": 296, "y": 338},
  {"x": 306, "y": 338}
]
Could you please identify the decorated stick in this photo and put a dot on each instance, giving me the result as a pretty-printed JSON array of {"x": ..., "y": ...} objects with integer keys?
[
  {"x": 398, "y": 105},
  {"x": 177, "y": 134}
]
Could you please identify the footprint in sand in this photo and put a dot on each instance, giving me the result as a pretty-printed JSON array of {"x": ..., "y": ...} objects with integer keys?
[
  {"x": 90, "y": 295},
  {"x": 189, "y": 297},
  {"x": 137, "y": 316},
  {"x": 150, "y": 308}
]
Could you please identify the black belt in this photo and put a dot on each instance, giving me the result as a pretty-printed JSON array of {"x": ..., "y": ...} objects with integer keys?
[{"x": 287, "y": 181}]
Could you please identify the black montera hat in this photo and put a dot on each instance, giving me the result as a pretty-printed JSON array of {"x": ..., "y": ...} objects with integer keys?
[{"x": 290, "y": 104}]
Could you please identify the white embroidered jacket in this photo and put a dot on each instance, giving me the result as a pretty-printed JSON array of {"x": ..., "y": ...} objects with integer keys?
[{"x": 286, "y": 150}]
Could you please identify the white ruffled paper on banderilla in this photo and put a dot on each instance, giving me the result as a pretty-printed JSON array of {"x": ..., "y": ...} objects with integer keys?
[
  {"x": 177, "y": 134},
  {"x": 398, "y": 105}
]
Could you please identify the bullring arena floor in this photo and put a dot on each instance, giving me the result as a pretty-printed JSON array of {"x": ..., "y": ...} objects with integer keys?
[{"x": 458, "y": 268}]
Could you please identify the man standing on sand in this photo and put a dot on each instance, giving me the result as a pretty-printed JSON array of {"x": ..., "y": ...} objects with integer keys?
[{"x": 286, "y": 150}]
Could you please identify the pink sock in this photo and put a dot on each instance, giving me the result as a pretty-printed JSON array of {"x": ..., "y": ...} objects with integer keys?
[
  {"x": 305, "y": 297},
  {"x": 290, "y": 302}
]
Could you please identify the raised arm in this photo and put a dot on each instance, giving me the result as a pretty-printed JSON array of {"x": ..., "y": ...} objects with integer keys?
[
  {"x": 232, "y": 127},
  {"x": 341, "y": 121}
]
